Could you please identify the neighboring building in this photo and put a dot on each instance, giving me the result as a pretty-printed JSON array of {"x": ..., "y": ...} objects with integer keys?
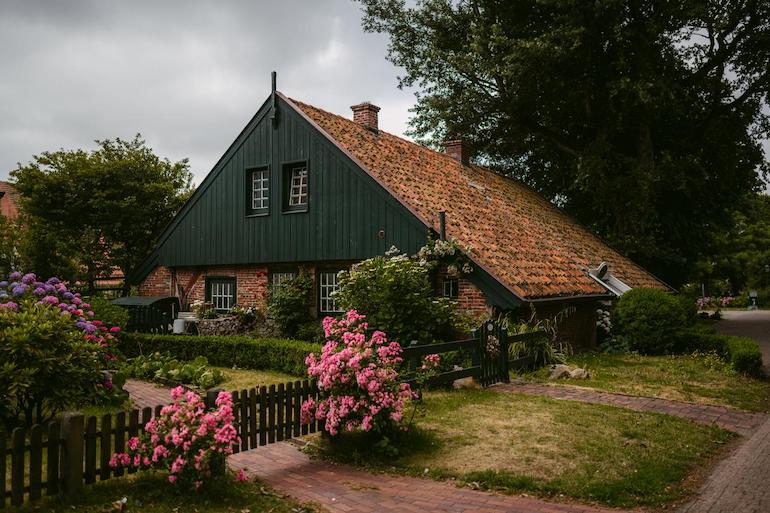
[
  {"x": 9, "y": 201},
  {"x": 303, "y": 188}
]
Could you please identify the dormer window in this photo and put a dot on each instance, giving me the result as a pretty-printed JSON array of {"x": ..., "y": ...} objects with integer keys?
[
  {"x": 257, "y": 191},
  {"x": 296, "y": 187}
]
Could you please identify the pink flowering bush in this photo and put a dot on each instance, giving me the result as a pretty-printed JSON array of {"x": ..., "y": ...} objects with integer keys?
[
  {"x": 186, "y": 439},
  {"x": 357, "y": 379}
]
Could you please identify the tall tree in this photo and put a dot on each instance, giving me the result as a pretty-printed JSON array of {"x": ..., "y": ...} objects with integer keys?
[
  {"x": 102, "y": 209},
  {"x": 642, "y": 119}
]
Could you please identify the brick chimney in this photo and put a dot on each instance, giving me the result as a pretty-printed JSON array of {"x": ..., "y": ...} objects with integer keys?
[
  {"x": 366, "y": 114},
  {"x": 458, "y": 150}
]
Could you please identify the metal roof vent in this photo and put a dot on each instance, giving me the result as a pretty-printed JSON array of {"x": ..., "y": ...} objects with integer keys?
[{"x": 602, "y": 275}]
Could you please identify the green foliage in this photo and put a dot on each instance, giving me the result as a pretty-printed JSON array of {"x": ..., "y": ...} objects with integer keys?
[
  {"x": 650, "y": 319},
  {"x": 396, "y": 296},
  {"x": 615, "y": 345},
  {"x": 745, "y": 356},
  {"x": 543, "y": 350},
  {"x": 108, "y": 313},
  {"x": 45, "y": 365},
  {"x": 633, "y": 114},
  {"x": 165, "y": 368},
  {"x": 98, "y": 210},
  {"x": 740, "y": 255},
  {"x": 9, "y": 241},
  {"x": 247, "y": 353},
  {"x": 742, "y": 353},
  {"x": 288, "y": 303}
]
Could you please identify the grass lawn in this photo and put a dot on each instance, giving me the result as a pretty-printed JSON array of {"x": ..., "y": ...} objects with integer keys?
[
  {"x": 240, "y": 379},
  {"x": 151, "y": 493},
  {"x": 699, "y": 379},
  {"x": 516, "y": 443}
]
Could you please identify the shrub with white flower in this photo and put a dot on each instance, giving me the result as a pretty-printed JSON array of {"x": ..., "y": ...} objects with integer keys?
[
  {"x": 186, "y": 439},
  {"x": 357, "y": 379}
]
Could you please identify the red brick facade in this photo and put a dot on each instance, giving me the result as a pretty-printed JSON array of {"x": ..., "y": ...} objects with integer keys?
[
  {"x": 157, "y": 283},
  {"x": 250, "y": 283}
]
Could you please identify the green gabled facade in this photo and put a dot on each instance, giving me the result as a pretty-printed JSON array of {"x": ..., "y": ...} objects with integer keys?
[{"x": 349, "y": 216}]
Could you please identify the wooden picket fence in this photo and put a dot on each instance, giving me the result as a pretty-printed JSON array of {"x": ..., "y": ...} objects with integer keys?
[{"x": 66, "y": 454}]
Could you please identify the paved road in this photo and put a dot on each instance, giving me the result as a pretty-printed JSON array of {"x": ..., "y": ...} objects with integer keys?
[
  {"x": 753, "y": 324},
  {"x": 741, "y": 483}
]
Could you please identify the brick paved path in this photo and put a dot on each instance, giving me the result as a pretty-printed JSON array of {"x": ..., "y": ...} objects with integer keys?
[
  {"x": 744, "y": 423},
  {"x": 345, "y": 489},
  {"x": 144, "y": 394},
  {"x": 741, "y": 483}
]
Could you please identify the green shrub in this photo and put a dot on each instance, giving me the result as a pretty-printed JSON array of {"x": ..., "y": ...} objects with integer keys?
[
  {"x": 109, "y": 313},
  {"x": 248, "y": 353},
  {"x": 650, "y": 319},
  {"x": 396, "y": 295},
  {"x": 288, "y": 303},
  {"x": 45, "y": 365},
  {"x": 745, "y": 356},
  {"x": 166, "y": 368}
]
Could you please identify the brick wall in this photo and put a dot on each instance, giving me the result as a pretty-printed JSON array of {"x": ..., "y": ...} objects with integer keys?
[
  {"x": 250, "y": 282},
  {"x": 157, "y": 283},
  {"x": 470, "y": 300},
  {"x": 9, "y": 202}
]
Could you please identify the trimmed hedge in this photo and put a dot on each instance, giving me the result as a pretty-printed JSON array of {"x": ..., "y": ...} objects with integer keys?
[
  {"x": 248, "y": 353},
  {"x": 742, "y": 353}
]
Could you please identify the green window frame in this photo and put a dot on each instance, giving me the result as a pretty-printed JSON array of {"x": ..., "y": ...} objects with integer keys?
[
  {"x": 327, "y": 284},
  {"x": 221, "y": 292}
]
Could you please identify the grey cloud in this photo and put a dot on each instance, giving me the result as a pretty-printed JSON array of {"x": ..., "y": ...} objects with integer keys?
[{"x": 187, "y": 75}]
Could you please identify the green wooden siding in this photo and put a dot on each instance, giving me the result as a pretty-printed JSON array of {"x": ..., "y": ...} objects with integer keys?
[{"x": 346, "y": 207}]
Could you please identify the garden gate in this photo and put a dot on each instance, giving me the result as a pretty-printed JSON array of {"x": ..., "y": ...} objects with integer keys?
[{"x": 488, "y": 349}]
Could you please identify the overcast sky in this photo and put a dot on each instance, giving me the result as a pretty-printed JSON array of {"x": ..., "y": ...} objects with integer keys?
[{"x": 188, "y": 74}]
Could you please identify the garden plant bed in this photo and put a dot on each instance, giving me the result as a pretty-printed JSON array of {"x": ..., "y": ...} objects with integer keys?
[
  {"x": 149, "y": 492},
  {"x": 697, "y": 379},
  {"x": 513, "y": 443}
]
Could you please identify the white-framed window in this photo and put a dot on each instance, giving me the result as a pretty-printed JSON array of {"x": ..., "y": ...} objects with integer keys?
[
  {"x": 298, "y": 187},
  {"x": 450, "y": 288},
  {"x": 260, "y": 190},
  {"x": 221, "y": 293},
  {"x": 280, "y": 277},
  {"x": 327, "y": 284}
]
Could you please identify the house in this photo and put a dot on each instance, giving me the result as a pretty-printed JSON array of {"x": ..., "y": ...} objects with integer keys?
[
  {"x": 304, "y": 188},
  {"x": 9, "y": 201}
]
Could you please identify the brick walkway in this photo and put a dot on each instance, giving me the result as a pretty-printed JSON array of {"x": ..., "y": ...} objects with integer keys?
[
  {"x": 741, "y": 482},
  {"x": 144, "y": 394},
  {"x": 345, "y": 489},
  {"x": 741, "y": 422}
]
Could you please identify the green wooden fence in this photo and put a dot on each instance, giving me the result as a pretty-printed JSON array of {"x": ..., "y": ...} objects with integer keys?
[{"x": 488, "y": 351}]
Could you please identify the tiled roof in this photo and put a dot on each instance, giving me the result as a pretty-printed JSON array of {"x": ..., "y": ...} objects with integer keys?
[{"x": 525, "y": 242}]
